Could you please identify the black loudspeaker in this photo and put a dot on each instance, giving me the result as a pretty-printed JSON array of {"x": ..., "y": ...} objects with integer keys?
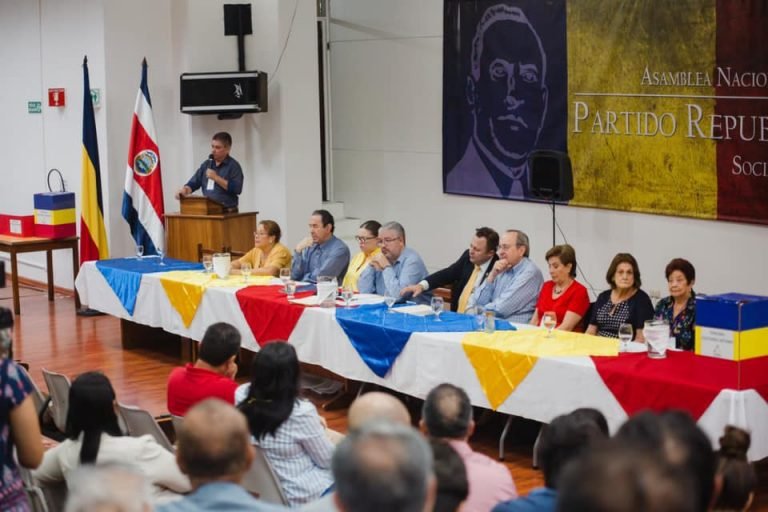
[
  {"x": 550, "y": 175},
  {"x": 224, "y": 93},
  {"x": 237, "y": 19}
]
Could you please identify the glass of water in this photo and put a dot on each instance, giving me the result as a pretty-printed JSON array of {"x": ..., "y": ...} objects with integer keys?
[
  {"x": 389, "y": 301},
  {"x": 290, "y": 289},
  {"x": 549, "y": 322},
  {"x": 161, "y": 255},
  {"x": 207, "y": 263},
  {"x": 139, "y": 252},
  {"x": 437, "y": 306},
  {"x": 625, "y": 336},
  {"x": 347, "y": 293},
  {"x": 285, "y": 276},
  {"x": 246, "y": 270}
]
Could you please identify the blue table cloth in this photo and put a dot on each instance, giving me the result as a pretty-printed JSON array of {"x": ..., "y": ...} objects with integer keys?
[
  {"x": 380, "y": 335},
  {"x": 124, "y": 274}
]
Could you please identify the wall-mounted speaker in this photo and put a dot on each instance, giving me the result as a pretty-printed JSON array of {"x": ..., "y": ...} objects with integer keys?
[
  {"x": 237, "y": 19},
  {"x": 221, "y": 93},
  {"x": 550, "y": 175}
]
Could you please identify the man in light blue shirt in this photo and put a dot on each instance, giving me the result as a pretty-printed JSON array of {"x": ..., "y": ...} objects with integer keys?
[
  {"x": 512, "y": 288},
  {"x": 214, "y": 450},
  {"x": 321, "y": 253},
  {"x": 396, "y": 267}
]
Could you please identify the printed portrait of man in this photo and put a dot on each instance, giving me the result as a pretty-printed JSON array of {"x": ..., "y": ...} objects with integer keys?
[{"x": 507, "y": 97}]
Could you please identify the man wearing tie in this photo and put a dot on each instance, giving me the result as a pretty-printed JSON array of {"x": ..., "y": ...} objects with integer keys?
[
  {"x": 321, "y": 253},
  {"x": 513, "y": 285},
  {"x": 466, "y": 273},
  {"x": 220, "y": 177}
]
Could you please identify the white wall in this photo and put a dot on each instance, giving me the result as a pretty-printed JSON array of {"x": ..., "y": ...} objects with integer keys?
[
  {"x": 44, "y": 41},
  {"x": 387, "y": 127}
]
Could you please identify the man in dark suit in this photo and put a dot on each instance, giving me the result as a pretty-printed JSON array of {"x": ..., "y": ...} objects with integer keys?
[{"x": 466, "y": 273}]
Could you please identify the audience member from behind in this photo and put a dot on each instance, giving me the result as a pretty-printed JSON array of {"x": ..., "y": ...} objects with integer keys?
[
  {"x": 618, "y": 478},
  {"x": 451, "y": 475},
  {"x": 675, "y": 437},
  {"x": 562, "y": 441},
  {"x": 593, "y": 415},
  {"x": 679, "y": 309},
  {"x": 737, "y": 476},
  {"x": 377, "y": 405},
  {"x": 94, "y": 437},
  {"x": 268, "y": 255},
  {"x": 214, "y": 449},
  {"x": 289, "y": 430},
  {"x": 514, "y": 283},
  {"x": 395, "y": 268},
  {"x": 212, "y": 375},
  {"x": 321, "y": 253},
  {"x": 466, "y": 273},
  {"x": 384, "y": 467},
  {"x": 108, "y": 488},
  {"x": 564, "y": 295},
  {"x": 625, "y": 302},
  {"x": 368, "y": 241},
  {"x": 19, "y": 428},
  {"x": 447, "y": 415},
  {"x": 372, "y": 406}
]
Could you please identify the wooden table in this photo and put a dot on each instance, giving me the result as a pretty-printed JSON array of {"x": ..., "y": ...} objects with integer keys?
[{"x": 15, "y": 245}]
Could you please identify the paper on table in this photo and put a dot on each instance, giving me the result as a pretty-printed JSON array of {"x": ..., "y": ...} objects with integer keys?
[
  {"x": 311, "y": 300},
  {"x": 416, "y": 310},
  {"x": 362, "y": 299}
]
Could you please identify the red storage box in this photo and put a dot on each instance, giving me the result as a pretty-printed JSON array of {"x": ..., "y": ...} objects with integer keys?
[
  {"x": 55, "y": 231},
  {"x": 17, "y": 225}
]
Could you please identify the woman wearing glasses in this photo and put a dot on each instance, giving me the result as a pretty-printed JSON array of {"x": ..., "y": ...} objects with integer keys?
[
  {"x": 368, "y": 241},
  {"x": 268, "y": 255}
]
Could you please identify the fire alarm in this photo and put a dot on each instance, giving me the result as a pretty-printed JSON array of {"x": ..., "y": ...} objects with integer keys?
[{"x": 56, "y": 98}]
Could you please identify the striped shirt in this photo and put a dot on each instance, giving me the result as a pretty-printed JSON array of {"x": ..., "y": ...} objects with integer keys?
[
  {"x": 512, "y": 294},
  {"x": 299, "y": 452}
]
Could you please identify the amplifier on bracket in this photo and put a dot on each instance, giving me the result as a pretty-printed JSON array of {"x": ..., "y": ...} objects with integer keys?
[{"x": 235, "y": 92}]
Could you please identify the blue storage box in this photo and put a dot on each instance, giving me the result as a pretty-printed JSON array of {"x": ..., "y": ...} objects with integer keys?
[
  {"x": 732, "y": 326},
  {"x": 54, "y": 200}
]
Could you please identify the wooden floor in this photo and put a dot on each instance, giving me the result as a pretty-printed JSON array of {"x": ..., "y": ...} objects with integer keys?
[{"x": 49, "y": 335}]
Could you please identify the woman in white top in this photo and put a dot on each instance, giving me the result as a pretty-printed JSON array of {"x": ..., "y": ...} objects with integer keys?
[
  {"x": 288, "y": 429},
  {"x": 94, "y": 437}
]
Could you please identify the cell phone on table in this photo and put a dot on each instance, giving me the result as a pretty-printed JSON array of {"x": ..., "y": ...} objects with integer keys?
[{"x": 404, "y": 298}]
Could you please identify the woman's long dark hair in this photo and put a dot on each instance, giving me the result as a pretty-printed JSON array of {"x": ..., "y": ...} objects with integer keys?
[
  {"x": 91, "y": 413},
  {"x": 274, "y": 388}
]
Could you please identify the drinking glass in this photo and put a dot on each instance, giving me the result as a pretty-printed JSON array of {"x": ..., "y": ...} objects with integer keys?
[
  {"x": 139, "y": 252},
  {"x": 246, "y": 270},
  {"x": 285, "y": 276},
  {"x": 656, "y": 334},
  {"x": 347, "y": 293},
  {"x": 290, "y": 288},
  {"x": 549, "y": 322},
  {"x": 389, "y": 301},
  {"x": 625, "y": 336},
  {"x": 327, "y": 288},
  {"x": 161, "y": 255},
  {"x": 437, "y": 306},
  {"x": 207, "y": 263},
  {"x": 490, "y": 321}
]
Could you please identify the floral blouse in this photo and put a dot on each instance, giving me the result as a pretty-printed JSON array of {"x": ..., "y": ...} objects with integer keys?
[{"x": 681, "y": 327}]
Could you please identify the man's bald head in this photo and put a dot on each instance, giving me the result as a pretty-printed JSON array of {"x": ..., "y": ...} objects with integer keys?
[
  {"x": 377, "y": 406},
  {"x": 214, "y": 442}
]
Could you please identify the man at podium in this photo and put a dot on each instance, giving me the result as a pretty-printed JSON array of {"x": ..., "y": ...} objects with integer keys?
[{"x": 220, "y": 177}]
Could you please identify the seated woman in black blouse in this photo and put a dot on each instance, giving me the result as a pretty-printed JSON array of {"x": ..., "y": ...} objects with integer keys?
[
  {"x": 624, "y": 303},
  {"x": 679, "y": 309}
]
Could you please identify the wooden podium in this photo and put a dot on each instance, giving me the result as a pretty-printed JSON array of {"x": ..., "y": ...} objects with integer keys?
[{"x": 202, "y": 221}]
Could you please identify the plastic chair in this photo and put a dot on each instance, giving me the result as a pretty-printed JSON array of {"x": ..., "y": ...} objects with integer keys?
[
  {"x": 58, "y": 390},
  {"x": 139, "y": 422},
  {"x": 262, "y": 481}
]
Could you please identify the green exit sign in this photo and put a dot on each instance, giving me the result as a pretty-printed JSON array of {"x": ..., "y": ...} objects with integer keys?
[{"x": 34, "y": 107}]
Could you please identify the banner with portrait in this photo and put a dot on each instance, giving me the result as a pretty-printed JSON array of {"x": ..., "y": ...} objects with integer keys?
[{"x": 662, "y": 106}]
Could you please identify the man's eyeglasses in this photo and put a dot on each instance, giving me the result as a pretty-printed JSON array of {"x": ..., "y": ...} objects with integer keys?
[
  {"x": 388, "y": 240},
  {"x": 363, "y": 239}
]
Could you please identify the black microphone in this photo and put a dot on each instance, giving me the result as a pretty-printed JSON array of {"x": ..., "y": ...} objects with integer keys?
[{"x": 210, "y": 160}]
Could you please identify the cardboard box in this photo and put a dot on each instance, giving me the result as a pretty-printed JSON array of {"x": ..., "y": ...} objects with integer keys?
[
  {"x": 17, "y": 225},
  {"x": 732, "y": 326}
]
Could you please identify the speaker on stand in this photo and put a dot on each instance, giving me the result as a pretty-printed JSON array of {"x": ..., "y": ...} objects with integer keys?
[{"x": 550, "y": 178}]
